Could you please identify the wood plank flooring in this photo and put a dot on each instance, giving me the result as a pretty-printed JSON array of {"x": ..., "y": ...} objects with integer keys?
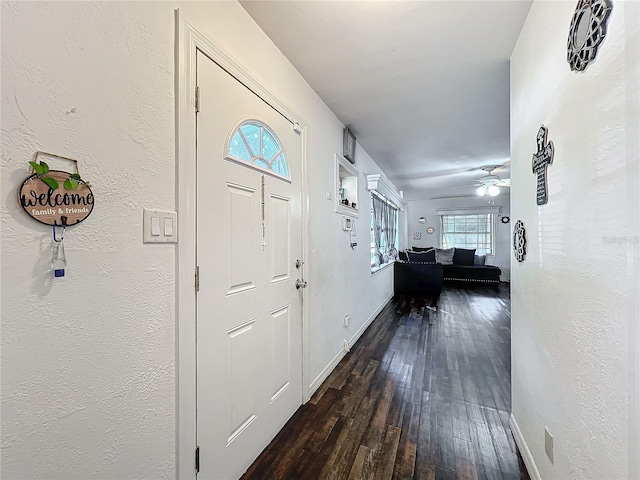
[{"x": 424, "y": 394}]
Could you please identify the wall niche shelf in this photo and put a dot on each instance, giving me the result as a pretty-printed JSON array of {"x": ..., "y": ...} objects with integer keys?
[{"x": 346, "y": 187}]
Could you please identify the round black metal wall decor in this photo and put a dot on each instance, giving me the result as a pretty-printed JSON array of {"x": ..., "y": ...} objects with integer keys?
[
  {"x": 586, "y": 32},
  {"x": 519, "y": 241},
  {"x": 505, "y": 219}
]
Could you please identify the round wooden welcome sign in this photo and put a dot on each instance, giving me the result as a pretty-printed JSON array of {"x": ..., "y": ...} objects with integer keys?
[{"x": 61, "y": 206}]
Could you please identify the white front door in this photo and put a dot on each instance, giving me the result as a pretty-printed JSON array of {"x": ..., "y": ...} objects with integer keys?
[{"x": 249, "y": 313}]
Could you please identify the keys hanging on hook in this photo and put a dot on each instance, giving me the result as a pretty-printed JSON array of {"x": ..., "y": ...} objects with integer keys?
[{"x": 58, "y": 259}]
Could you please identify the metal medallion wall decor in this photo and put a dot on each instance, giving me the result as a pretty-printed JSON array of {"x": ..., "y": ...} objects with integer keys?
[
  {"x": 417, "y": 235},
  {"x": 541, "y": 160},
  {"x": 519, "y": 241},
  {"x": 505, "y": 219},
  {"x": 430, "y": 230},
  {"x": 587, "y": 31}
]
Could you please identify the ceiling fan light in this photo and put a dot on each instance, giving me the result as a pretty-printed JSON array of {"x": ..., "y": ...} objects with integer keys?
[
  {"x": 493, "y": 190},
  {"x": 481, "y": 190}
]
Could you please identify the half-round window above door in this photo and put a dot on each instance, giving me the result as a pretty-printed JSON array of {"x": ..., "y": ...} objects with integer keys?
[{"x": 255, "y": 145}]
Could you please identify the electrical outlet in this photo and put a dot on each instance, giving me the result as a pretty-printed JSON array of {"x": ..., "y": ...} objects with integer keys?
[
  {"x": 328, "y": 195},
  {"x": 347, "y": 319},
  {"x": 346, "y": 345},
  {"x": 548, "y": 443}
]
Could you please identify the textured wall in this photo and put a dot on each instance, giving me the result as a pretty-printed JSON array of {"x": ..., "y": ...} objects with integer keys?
[
  {"x": 88, "y": 359},
  {"x": 575, "y": 297},
  {"x": 88, "y": 376}
]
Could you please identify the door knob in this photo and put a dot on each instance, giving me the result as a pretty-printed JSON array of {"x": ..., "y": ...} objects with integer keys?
[{"x": 301, "y": 283}]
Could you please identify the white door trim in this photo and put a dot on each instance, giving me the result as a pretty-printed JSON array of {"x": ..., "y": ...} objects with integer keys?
[{"x": 188, "y": 41}]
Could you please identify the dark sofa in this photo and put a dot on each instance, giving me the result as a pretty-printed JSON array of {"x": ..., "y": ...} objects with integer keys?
[
  {"x": 424, "y": 271},
  {"x": 417, "y": 278},
  {"x": 472, "y": 273}
]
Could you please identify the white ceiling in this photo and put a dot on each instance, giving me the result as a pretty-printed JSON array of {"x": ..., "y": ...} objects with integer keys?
[{"x": 424, "y": 85}]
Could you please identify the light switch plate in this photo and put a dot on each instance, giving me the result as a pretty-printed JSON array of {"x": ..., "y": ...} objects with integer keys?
[
  {"x": 548, "y": 444},
  {"x": 155, "y": 225}
]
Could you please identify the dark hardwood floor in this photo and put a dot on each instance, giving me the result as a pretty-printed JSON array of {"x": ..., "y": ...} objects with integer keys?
[{"x": 424, "y": 394}]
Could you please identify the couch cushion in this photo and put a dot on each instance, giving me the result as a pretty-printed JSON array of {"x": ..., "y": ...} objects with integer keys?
[
  {"x": 486, "y": 273},
  {"x": 463, "y": 256},
  {"x": 479, "y": 259},
  {"x": 445, "y": 255},
  {"x": 429, "y": 256},
  {"x": 422, "y": 249}
]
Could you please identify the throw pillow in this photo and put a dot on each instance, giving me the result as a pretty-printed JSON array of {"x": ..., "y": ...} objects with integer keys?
[
  {"x": 402, "y": 256},
  {"x": 444, "y": 256},
  {"x": 479, "y": 259},
  {"x": 429, "y": 256},
  {"x": 422, "y": 249},
  {"x": 464, "y": 256}
]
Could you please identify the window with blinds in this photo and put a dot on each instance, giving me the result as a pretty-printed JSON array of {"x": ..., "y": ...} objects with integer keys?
[{"x": 469, "y": 231}]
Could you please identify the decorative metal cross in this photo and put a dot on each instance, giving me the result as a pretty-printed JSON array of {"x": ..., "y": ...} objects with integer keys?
[{"x": 541, "y": 159}]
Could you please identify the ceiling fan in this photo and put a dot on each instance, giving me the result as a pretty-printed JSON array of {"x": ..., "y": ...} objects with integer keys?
[{"x": 490, "y": 184}]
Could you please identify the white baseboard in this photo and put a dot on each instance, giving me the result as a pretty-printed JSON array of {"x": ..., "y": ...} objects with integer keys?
[
  {"x": 356, "y": 336},
  {"x": 524, "y": 449},
  {"x": 333, "y": 363},
  {"x": 326, "y": 371}
]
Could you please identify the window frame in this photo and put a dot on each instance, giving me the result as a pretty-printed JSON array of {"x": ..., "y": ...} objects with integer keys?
[
  {"x": 249, "y": 163},
  {"x": 375, "y": 268},
  {"x": 477, "y": 246}
]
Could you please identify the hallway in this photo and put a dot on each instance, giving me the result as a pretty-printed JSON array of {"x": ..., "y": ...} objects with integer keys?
[{"x": 422, "y": 395}]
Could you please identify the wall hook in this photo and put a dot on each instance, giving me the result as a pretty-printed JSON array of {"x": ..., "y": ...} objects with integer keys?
[{"x": 55, "y": 239}]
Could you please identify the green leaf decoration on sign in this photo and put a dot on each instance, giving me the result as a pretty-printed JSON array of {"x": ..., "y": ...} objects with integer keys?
[
  {"x": 51, "y": 182},
  {"x": 36, "y": 168},
  {"x": 70, "y": 184}
]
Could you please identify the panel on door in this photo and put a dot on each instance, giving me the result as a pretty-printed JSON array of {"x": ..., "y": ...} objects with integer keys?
[
  {"x": 240, "y": 379},
  {"x": 280, "y": 208},
  {"x": 249, "y": 334},
  {"x": 280, "y": 326},
  {"x": 241, "y": 228}
]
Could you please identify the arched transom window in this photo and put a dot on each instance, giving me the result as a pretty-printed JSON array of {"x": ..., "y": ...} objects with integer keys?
[{"x": 255, "y": 144}]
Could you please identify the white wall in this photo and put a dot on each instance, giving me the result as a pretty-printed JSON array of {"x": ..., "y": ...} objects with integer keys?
[
  {"x": 88, "y": 362},
  {"x": 340, "y": 280},
  {"x": 575, "y": 297},
  {"x": 428, "y": 209}
]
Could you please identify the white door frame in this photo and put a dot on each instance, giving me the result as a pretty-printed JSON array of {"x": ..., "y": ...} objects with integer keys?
[{"x": 188, "y": 41}]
